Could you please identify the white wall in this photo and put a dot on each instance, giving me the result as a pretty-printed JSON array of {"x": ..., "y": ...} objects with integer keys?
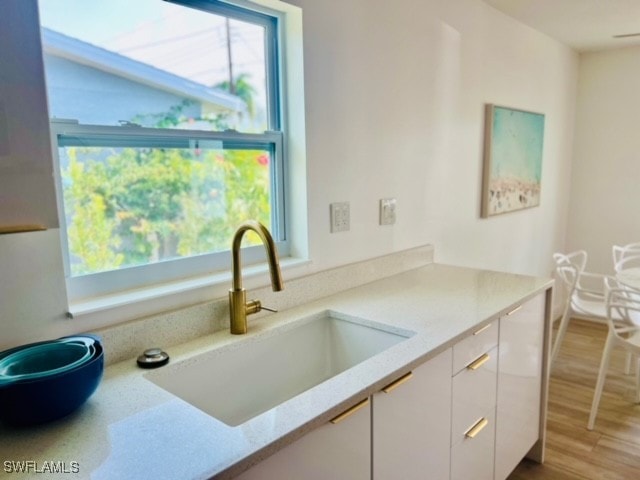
[
  {"x": 395, "y": 95},
  {"x": 605, "y": 188}
]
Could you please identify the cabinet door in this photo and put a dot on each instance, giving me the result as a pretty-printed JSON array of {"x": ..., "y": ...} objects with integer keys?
[
  {"x": 27, "y": 192},
  {"x": 412, "y": 425},
  {"x": 519, "y": 384},
  {"x": 341, "y": 451},
  {"x": 472, "y": 457}
]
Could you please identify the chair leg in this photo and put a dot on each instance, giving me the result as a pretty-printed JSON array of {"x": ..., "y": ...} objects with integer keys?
[
  {"x": 628, "y": 362},
  {"x": 637, "y": 357},
  {"x": 564, "y": 323},
  {"x": 604, "y": 365}
]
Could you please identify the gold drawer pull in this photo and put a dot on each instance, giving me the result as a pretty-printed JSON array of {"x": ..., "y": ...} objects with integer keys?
[
  {"x": 486, "y": 327},
  {"x": 350, "y": 411},
  {"x": 398, "y": 382},
  {"x": 514, "y": 310},
  {"x": 477, "y": 428},
  {"x": 22, "y": 228},
  {"x": 478, "y": 362}
]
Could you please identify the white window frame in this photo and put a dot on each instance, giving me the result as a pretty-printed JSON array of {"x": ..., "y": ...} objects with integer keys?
[
  {"x": 288, "y": 178},
  {"x": 107, "y": 282}
]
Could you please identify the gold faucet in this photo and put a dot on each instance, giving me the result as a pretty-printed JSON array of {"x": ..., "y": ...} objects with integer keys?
[{"x": 239, "y": 308}]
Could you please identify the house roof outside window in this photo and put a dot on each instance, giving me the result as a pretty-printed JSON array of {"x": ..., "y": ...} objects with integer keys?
[{"x": 58, "y": 45}]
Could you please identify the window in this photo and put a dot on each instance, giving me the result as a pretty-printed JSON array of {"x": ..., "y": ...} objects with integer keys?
[{"x": 167, "y": 123}]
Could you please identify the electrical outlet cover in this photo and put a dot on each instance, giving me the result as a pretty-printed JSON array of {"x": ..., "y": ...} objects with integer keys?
[{"x": 340, "y": 217}]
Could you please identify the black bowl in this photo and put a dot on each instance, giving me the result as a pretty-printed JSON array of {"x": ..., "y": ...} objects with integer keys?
[{"x": 29, "y": 402}]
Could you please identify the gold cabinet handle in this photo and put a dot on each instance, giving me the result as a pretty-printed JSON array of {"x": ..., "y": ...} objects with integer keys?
[
  {"x": 514, "y": 310},
  {"x": 398, "y": 382},
  {"x": 21, "y": 228},
  {"x": 478, "y": 332},
  {"x": 350, "y": 411},
  {"x": 476, "y": 428},
  {"x": 478, "y": 362}
]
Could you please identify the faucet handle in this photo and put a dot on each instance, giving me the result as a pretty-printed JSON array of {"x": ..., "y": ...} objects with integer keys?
[{"x": 254, "y": 306}]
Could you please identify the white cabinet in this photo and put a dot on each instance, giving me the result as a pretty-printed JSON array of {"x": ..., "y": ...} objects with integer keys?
[
  {"x": 520, "y": 368},
  {"x": 479, "y": 342},
  {"x": 334, "y": 450},
  {"x": 411, "y": 424},
  {"x": 503, "y": 398},
  {"x": 474, "y": 405},
  {"x": 407, "y": 428},
  {"x": 474, "y": 394},
  {"x": 471, "y": 412},
  {"x": 472, "y": 458}
]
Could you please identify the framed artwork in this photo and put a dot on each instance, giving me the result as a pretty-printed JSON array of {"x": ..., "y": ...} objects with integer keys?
[{"x": 512, "y": 168}]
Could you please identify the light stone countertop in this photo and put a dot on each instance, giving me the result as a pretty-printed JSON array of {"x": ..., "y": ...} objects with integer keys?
[{"x": 131, "y": 428}]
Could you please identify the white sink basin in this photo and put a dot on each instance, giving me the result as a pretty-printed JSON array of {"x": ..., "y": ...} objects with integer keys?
[{"x": 238, "y": 382}]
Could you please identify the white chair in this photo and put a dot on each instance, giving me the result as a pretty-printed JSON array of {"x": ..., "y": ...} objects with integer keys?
[
  {"x": 623, "y": 319},
  {"x": 578, "y": 259},
  {"x": 626, "y": 256},
  {"x": 584, "y": 293},
  {"x": 626, "y": 264}
]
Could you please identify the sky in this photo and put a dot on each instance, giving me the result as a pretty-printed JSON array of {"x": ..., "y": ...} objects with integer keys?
[
  {"x": 79, "y": 17},
  {"x": 178, "y": 39}
]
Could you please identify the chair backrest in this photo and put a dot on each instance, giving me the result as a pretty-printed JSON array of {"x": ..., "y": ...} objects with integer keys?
[
  {"x": 577, "y": 259},
  {"x": 569, "y": 275},
  {"x": 623, "y": 307},
  {"x": 625, "y": 256},
  {"x": 627, "y": 262}
]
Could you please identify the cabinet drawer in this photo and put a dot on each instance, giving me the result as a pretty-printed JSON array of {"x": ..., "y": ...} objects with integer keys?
[
  {"x": 480, "y": 341},
  {"x": 472, "y": 458},
  {"x": 474, "y": 394}
]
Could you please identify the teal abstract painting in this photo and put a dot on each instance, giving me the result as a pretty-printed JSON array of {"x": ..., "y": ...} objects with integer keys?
[{"x": 512, "y": 160}]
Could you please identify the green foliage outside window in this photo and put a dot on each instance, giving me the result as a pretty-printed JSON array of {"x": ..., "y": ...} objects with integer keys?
[{"x": 141, "y": 206}]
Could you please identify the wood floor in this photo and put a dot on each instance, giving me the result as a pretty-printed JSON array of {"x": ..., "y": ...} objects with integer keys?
[{"x": 612, "y": 450}]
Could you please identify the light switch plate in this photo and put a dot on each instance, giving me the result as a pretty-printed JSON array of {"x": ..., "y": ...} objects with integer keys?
[{"x": 387, "y": 211}]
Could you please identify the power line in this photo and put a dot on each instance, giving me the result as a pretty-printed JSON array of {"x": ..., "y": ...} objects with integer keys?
[{"x": 169, "y": 40}]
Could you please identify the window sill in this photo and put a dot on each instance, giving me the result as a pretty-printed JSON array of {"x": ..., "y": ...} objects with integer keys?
[{"x": 137, "y": 297}]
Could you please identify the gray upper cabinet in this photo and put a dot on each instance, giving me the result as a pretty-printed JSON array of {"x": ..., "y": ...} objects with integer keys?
[{"x": 27, "y": 191}]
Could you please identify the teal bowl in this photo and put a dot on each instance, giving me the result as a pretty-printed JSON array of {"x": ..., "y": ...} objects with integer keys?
[
  {"x": 43, "y": 360},
  {"x": 49, "y": 380}
]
